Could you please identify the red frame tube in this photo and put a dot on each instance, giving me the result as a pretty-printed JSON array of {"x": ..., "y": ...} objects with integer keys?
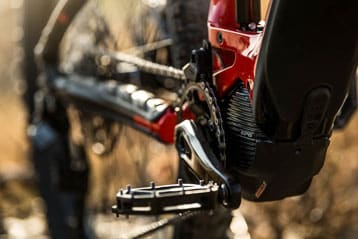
[
  {"x": 236, "y": 49},
  {"x": 226, "y": 37}
]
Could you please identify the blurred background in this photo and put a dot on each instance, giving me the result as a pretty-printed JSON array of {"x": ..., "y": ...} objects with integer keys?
[{"x": 328, "y": 210}]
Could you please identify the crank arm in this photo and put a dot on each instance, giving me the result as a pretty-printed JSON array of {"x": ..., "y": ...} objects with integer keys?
[{"x": 201, "y": 160}]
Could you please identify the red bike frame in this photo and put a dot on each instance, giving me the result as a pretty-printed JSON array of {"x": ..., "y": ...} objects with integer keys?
[
  {"x": 297, "y": 95},
  {"x": 236, "y": 50},
  {"x": 234, "y": 57}
]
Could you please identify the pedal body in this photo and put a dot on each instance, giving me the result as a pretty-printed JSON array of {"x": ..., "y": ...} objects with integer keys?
[{"x": 175, "y": 198}]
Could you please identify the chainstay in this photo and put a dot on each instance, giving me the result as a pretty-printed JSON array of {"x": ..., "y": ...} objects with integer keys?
[
  {"x": 215, "y": 113},
  {"x": 155, "y": 226}
]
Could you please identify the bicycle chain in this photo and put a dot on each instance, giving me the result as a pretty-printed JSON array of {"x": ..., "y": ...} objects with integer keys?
[
  {"x": 178, "y": 74},
  {"x": 215, "y": 123},
  {"x": 142, "y": 64},
  {"x": 155, "y": 226}
]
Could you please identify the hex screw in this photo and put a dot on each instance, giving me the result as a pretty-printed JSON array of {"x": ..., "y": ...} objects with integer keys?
[
  {"x": 129, "y": 188},
  {"x": 152, "y": 185},
  {"x": 219, "y": 37},
  {"x": 180, "y": 182}
]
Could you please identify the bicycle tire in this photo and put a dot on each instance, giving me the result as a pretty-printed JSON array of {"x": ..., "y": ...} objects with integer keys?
[
  {"x": 33, "y": 22},
  {"x": 187, "y": 27}
]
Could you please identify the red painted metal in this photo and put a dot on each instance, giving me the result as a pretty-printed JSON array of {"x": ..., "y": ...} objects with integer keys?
[
  {"x": 235, "y": 53},
  {"x": 163, "y": 128},
  {"x": 222, "y": 13},
  {"x": 226, "y": 39}
]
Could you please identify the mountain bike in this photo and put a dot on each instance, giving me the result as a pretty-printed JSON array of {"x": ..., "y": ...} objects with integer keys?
[{"x": 250, "y": 114}]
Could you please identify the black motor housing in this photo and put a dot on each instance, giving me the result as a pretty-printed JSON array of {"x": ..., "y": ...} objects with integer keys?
[
  {"x": 269, "y": 169},
  {"x": 278, "y": 142},
  {"x": 307, "y": 45}
]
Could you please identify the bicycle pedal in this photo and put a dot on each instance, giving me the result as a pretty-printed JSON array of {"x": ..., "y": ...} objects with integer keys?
[{"x": 173, "y": 198}]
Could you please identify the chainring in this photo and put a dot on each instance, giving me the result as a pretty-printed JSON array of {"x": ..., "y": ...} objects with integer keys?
[{"x": 199, "y": 97}]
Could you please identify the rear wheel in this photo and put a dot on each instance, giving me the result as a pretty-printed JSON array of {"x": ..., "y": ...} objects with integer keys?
[
  {"x": 36, "y": 14},
  {"x": 64, "y": 208}
]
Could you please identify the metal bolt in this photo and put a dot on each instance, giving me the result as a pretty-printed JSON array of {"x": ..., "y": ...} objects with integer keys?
[
  {"x": 224, "y": 193},
  {"x": 261, "y": 25},
  {"x": 180, "y": 182},
  {"x": 252, "y": 26},
  {"x": 152, "y": 185},
  {"x": 129, "y": 188},
  {"x": 115, "y": 210},
  {"x": 219, "y": 37}
]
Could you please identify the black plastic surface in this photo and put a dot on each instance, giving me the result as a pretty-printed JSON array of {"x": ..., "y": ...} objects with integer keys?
[
  {"x": 306, "y": 45},
  {"x": 286, "y": 169}
]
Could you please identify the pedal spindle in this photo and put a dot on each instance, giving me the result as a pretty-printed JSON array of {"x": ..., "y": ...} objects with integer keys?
[{"x": 173, "y": 198}]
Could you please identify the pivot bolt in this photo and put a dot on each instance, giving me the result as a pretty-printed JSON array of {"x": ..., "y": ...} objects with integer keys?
[
  {"x": 180, "y": 182},
  {"x": 219, "y": 37},
  {"x": 129, "y": 188}
]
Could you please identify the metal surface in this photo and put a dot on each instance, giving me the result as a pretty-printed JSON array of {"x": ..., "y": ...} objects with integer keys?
[
  {"x": 199, "y": 97},
  {"x": 197, "y": 154},
  {"x": 212, "y": 121},
  {"x": 235, "y": 48},
  {"x": 141, "y": 64}
]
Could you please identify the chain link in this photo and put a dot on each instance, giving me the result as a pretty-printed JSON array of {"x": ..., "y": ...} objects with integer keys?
[
  {"x": 142, "y": 64},
  {"x": 215, "y": 114},
  {"x": 178, "y": 74},
  {"x": 215, "y": 120},
  {"x": 155, "y": 226}
]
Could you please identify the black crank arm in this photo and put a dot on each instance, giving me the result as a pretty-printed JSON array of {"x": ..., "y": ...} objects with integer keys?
[{"x": 201, "y": 160}]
